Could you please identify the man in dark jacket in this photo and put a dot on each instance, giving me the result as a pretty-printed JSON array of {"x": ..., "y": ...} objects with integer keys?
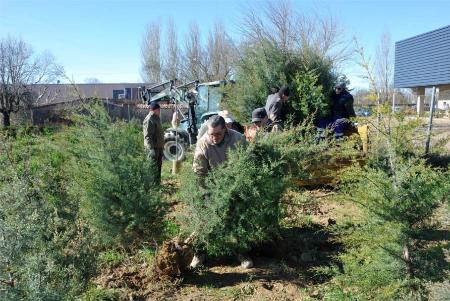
[
  {"x": 154, "y": 137},
  {"x": 342, "y": 109},
  {"x": 274, "y": 108}
]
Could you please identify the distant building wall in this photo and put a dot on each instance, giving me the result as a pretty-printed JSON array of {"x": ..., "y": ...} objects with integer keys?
[{"x": 58, "y": 113}]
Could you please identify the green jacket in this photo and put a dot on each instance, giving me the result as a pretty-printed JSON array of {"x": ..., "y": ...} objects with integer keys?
[{"x": 153, "y": 132}]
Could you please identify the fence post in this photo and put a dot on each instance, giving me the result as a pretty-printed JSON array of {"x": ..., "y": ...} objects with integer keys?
[
  {"x": 430, "y": 121},
  {"x": 393, "y": 101}
]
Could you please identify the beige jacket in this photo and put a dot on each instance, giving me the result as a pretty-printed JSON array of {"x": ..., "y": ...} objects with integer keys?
[
  {"x": 153, "y": 132},
  {"x": 207, "y": 155}
]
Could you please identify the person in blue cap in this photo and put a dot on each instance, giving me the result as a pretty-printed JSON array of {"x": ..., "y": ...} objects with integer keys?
[{"x": 154, "y": 136}]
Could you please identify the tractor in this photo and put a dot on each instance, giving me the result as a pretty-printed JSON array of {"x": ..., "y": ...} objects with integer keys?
[{"x": 194, "y": 102}]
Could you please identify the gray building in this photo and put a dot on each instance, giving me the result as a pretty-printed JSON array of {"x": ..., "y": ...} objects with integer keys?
[{"x": 423, "y": 61}]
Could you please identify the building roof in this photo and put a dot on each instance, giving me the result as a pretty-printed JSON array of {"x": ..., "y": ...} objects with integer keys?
[{"x": 423, "y": 60}]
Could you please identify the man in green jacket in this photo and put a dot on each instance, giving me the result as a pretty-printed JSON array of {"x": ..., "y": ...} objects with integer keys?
[{"x": 154, "y": 137}]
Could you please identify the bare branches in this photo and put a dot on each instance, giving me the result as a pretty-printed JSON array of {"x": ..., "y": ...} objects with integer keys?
[
  {"x": 219, "y": 50},
  {"x": 367, "y": 65},
  {"x": 379, "y": 73},
  {"x": 192, "y": 54},
  {"x": 280, "y": 25},
  {"x": 275, "y": 24},
  {"x": 213, "y": 61},
  {"x": 385, "y": 65},
  {"x": 151, "y": 57},
  {"x": 171, "y": 59},
  {"x": 19, "y": 70}
]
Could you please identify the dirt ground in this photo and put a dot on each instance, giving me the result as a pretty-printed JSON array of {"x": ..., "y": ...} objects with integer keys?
[
  {"x": 283, "y": 269},
  {"x": 440, "y": 131}
]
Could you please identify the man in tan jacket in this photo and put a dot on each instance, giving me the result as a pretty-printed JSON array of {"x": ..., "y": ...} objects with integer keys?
[
  {"x": 154, "y": 137},
  {"x": 211, "y": 150}
]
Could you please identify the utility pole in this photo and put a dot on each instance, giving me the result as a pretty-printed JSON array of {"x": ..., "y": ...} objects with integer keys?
[
  {"x": 430, "y": 120},
  {"x": 393, "y": 101}
]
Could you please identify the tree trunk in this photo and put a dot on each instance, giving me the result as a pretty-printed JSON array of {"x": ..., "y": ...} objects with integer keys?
[{"x": 6, "y": 119}]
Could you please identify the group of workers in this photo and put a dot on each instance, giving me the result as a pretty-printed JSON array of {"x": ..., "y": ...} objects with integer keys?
[{"x": 221, "y": 133}]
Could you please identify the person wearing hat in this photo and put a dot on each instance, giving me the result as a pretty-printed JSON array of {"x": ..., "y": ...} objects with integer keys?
[
  {"x": 154, "y": 136},
  {"x": 342, "y": 109},
  {"x": 230, "y": 122},
  {"x": 260, "y": 123},
  {"x": 211, "y": 151},
  {"x": 212, "y": 148},
  {"x": 275, "y": 104}
]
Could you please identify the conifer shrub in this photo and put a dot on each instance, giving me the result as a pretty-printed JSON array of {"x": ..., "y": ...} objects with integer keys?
[
  {"x": 397, "y": 199},
  {"x": 239, "y": 205},
  {"x": 67, "y": 194},
  {"x": 114, "y": 180},
  {"x": 311, "y": 98},
  {"x": 264, "y": 66},
  {"x": 46, "y": 249}
]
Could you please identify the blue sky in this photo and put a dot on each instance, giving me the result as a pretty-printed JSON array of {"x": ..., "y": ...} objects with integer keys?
[{"x": 102, "y": 38}]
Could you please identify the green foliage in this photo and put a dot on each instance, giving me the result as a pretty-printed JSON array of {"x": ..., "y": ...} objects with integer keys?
[
  {"x": 114, "y": 180},
  {"x": 265, "y": 66},
  {"x": 111, "y": 258},
  {"x": 310, "y": 95},
  {"x": 407, "y": 194},
  {"x": 65, "y": 195},
  {"x": 147, "y": 255},
  {"x": 240, "y": 203},
  {"x": 372, "y": 264},
  {"x": 46, "y": 250},
  {"x": 241, "y": 206},
  {"x": 397, "y": 193}
]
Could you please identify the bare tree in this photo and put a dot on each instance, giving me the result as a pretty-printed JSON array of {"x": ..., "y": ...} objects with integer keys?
[
  {"x": 379, "y": 73},
  {"x": 277, "y": 23},
  {"x": 218, "y": 62},
  {"x": 92, "y": 80},
  {"x": 384, "y": 66},
  {"x": 171, "y": 63},
  {"x": 192, "y": 54},
  {"x": 367, "y": 65},
  {"x": 20, "y": 69},
  {"x": 151, "y": 56}
]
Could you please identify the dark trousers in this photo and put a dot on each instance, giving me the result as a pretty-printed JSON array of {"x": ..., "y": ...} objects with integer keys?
[
  {"x": 338, "y": 125},
  {"x": 158, "y": 160}
]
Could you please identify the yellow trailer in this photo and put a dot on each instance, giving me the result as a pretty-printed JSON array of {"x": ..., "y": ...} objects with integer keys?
[{"x": 325, "y": 172}]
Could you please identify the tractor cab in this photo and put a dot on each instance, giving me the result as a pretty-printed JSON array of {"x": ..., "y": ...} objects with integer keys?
[{"x": 194, "y": 103}]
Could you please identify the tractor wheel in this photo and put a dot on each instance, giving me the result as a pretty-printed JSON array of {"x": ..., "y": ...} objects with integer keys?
[{"x": 174, "y": 150}]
